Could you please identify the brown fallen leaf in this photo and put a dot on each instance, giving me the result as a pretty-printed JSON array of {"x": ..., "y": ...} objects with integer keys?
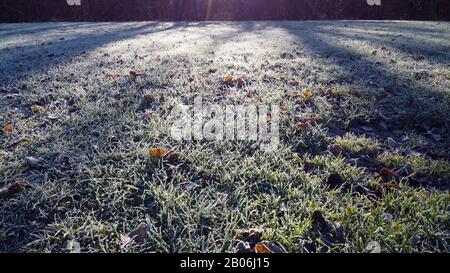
[
  {"x": 387, "y": 172},
  {"x": 157, "y": 152},
  {"x": 307, "y": 122},
  {"x": 308, "y": 94},
  {"x": 8, "y": 128},
  {"x": 37, "y": 108},
  {"x": 332, "y": 92},
  {"x": 212, "y": 70},
  {"x": 228, "y": 79},
  {"x": 137, "y": 235},
  {"x": 170, "y": 155},
  {"x": 240, "y": 81},
  {"x": 266, "y": 247},
  {"x": 113, "y": 76},
  {"x": 11, "y": 189},
  {"x": 133, "y": 74}
]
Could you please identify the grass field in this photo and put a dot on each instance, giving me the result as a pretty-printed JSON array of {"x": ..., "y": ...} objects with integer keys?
[{"x": 77, "y": 126}]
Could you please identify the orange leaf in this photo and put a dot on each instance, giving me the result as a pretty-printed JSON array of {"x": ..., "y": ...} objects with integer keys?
[
  {"x": 268, "y": 247},
  {"x": 333, "y": 92},
  {"x": 157, "y": 152},
  {"x": 8, "y": 128},
  {"x": 308, "y": 93},
  {"x": 228, "y": 78},
  {"x": 262, "y": 248}
]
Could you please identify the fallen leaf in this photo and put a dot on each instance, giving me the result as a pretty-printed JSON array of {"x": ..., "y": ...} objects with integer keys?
[
  {"x": 212, "y": 70},
  {"x": 170, "y": 155},
  {"x": 228, "y": 79},
  {"x": 113, "y": 76},
  {"x": 265, "y": 247},
  {"x": 240, "y": 81},
  {"x": 11, "y": 189},
  {"x": 19, "y": 140},
  {"x": 307, "y": 122},
  {"x": 387, "y": 172},
  {"x": 262, "y": 248},
  {"x": 37, "y": 108},
  {"x": 32, "y": 162},
  {"x": 8, "y": 128},
  {"x": 157, "y": 152},
  {"x": 308, "y": 94},
  {"x": 137, "y": 235},
  {"x": 303, "y": 125},
  {"x": 133, "y": 74},
  {"x": 332, "y": 92}
]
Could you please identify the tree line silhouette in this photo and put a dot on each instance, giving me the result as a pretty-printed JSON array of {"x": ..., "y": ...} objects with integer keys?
[{"x": 126, "y": 10}]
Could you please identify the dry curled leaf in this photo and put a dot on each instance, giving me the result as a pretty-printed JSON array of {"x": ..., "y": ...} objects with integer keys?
[
  {"x": 156, "y": 152},
  {"x": 8, "y": 128},
  {"x": 137, "y": 235},
  {"x": 307, "y": 122},
  {"x": 228, "y": 79},
  {"x": 387, "y": 172},
  {"x": 37, "y": 108},
  {"x": 308, "y": 94},
  {"x": 212, "y": 70},
  {"x": 240, "y": 81},
  {"x": 133, "y": 74},
  {"x": 170, "y": 155},
  {"x": 332, "y": 92},
  {"x": 268, "y": 247},
  {"x": 11, "y": 189}
]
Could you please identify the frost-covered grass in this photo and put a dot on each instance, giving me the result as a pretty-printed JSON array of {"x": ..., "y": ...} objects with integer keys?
[{"x": 380, "y": 96}]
